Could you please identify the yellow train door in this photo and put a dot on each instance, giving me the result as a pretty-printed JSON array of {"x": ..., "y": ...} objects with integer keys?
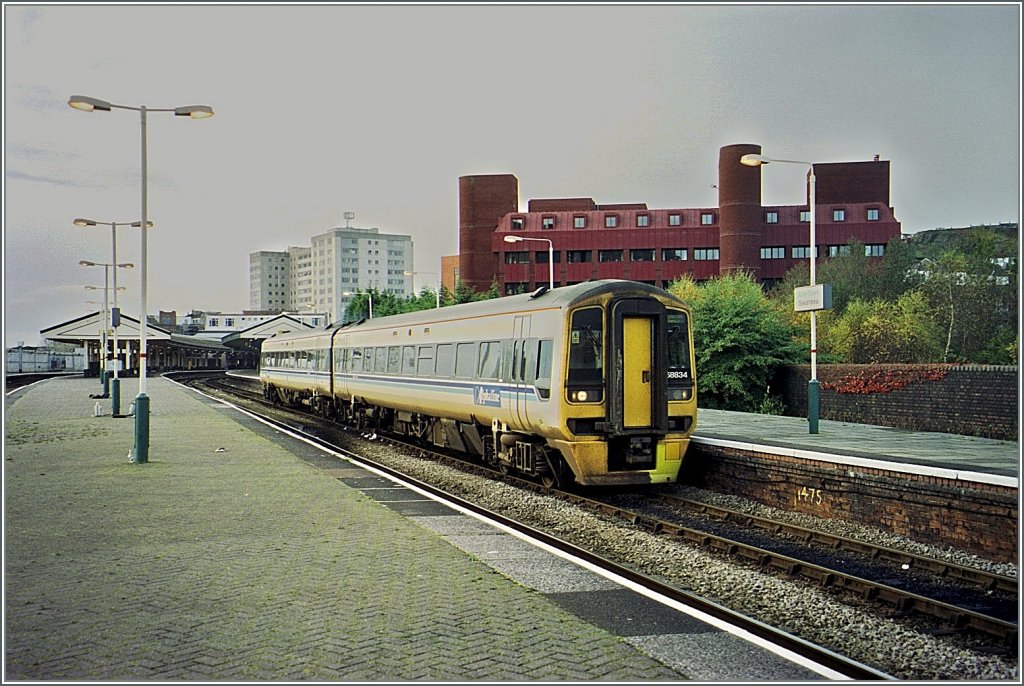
[{"x": 636, "y": 371}]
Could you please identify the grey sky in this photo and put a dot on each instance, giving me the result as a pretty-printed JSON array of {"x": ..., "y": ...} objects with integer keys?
[{"x": 379, "y": 109}]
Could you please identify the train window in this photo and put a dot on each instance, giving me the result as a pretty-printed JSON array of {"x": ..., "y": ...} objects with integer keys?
[
  {"x": 543, "y": 382},
  {"x": 409, "y": 360},
  {"x": 340, "y": 359},
  {"x": 529, "y": 369},
  {"x": 380, "y": 360},
  {"x": 425, "y": 361},
  {"x": 465, "y": 360},
  {"x": 490, "y": 359},
  {"x": 445, "y": 360},
  {"x": 680, "y": 379},
  {"x": 586, "y": 344},
  {"x": 355, "y": 360},
  {"x": 367, "y": 359},
  {"x": 394, "y": 359}
]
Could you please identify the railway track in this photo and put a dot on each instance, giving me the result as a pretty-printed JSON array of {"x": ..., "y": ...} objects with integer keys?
[{"x": 898, "y": 601}]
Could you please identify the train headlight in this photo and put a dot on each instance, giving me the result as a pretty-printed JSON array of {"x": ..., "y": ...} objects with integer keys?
[
  {"x": 592, "y": 395},
  {"x": 581, "y": 396}
]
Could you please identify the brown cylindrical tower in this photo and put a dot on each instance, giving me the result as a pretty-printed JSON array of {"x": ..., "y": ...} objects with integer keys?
[
  {"x": 739, "y": 206},
  {"x": 483, "y": 201}
]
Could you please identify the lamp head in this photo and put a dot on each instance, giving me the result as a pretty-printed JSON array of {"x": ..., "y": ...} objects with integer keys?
[
  {"x": 126, "y": 265},
  {"x": 513, "y": 239},
  {"x": 149, "y": 224},
  {"x": 84, "y": 222},
  {"x": 194, "y": 111},
  {"x": 86, "y": 263},
  {"x": 88, "y": 104},
  {"x": 754, "y": 160}
]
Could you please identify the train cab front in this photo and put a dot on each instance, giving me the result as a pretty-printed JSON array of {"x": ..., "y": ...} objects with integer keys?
[{"x": 630, "y": 402}]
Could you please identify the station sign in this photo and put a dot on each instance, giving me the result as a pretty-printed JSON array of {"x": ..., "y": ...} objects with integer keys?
[{"x": 812, "y": 298}]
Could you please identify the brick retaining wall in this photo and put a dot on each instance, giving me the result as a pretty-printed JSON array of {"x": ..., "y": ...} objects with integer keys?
[{"x": 973, "y": 400}]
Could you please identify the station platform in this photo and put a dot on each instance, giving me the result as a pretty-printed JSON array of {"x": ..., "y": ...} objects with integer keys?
[
  {"x": 239, "y": 553},
  {"x": 964, "y": 458}
]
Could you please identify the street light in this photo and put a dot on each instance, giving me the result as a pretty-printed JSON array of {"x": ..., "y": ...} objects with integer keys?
[
  {"x": 115, "y": 389},
  {"x": 106, "y": 309},
  {"x": 812, "y": 385},
  {"x": 551, "y": 255},
  {"x": 89, "y": 104},
  {"x": 437, "y": 291}
]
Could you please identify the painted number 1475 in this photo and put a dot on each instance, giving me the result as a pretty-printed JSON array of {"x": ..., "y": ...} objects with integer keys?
[{"x": 809, "y": 495}]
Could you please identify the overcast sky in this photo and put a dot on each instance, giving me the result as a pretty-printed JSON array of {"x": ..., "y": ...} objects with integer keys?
[{"x": 378, "y": 110}]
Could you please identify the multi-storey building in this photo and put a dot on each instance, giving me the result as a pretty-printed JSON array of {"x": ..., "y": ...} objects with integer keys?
[
  {"x": 656, "y": 246},
  {"x": 326, "y": 275}
]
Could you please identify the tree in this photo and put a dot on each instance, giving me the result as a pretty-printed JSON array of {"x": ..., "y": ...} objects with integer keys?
[
  {"x": 740, "y": 340},
  {"x": 879, "y": 332}
]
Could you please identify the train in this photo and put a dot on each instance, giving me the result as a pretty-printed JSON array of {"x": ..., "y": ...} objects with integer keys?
[{"x": 590, "y": 384}]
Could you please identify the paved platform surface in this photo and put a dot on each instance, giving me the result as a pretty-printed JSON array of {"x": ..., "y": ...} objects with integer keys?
[
  {"x": 240, "y": 554},
  {"x": 951, "y": 452}
]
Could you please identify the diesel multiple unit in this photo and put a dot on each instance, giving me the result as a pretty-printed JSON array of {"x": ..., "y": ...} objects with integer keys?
[{"x": 591, "y": 383}]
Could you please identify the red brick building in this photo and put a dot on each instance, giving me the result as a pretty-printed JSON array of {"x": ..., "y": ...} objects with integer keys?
[{"x": 656, "y": 246}]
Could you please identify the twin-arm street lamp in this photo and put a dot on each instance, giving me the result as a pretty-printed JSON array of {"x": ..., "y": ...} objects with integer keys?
[
  {"x": 89, "y": 104},
  {"x": 812, "y": 385},
  {"x": 551, "y": 255},
  {"x": 106, "y": 321},
  {"x": 115, "y": 390}
]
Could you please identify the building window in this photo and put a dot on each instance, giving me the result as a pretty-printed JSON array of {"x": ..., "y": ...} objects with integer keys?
[
  {"x": 805, "y": 216},
  {"x": 547, "y": 223},
  {"x": 673, "y": 255},
  {"x": 576, "y": 256},
  {"x": 838, "y": 215},
  {"x": 706, "y": 219},
  {"x": 611, "y": 221},
  {"x": 874, "y": 250},
  {"x": 214, "y": 322},
  {"x": 542, "y": 256},
  {"x": 771, "y": 217},
  {"x": 675, "y": 220},
  {"x": 838, "y": 250},
  {"x": 872, "y": 215},
  {"x": 579, "y": 222},
  {"x": 517, "y": 223},
  {"x": 704, "y": 254},
  {"x": 803, "y": 252},
  {"x": 643, "y": 220},
  {"x": 517, "y": 257},
  {"x": 516, "y": 288},
  {"x": 773, "y": 253},
  {"x": 641, "y": 255},
  {"x": 609, "y": 256}
]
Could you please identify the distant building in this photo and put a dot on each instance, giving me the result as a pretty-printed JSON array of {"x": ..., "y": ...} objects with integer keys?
[
  {"x": 326, "y": 275},
  {"x": 56, "y": 357},
  {"x": 218, "y": 325},
  {"x": 657, "y": 246}
]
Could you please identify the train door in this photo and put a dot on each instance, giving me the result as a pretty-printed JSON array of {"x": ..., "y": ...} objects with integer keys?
[
  {"x": 637, "y": 392},
  {"x": 521, "y": 386},
  {"x": 637, "y": 371}
]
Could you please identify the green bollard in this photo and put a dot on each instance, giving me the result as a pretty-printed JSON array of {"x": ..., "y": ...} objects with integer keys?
[
  {"x": 141, "y": 455},
  {"x": 115, "y": 397},
  {"x": 105, "y": 383},
  {"x": 813, "y": 399}
]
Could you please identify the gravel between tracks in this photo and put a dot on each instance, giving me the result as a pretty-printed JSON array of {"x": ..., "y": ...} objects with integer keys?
[{"x": 803, "y": 610}]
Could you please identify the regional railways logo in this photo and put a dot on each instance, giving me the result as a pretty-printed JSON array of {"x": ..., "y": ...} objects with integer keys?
[{"x": 487, "y": 395}]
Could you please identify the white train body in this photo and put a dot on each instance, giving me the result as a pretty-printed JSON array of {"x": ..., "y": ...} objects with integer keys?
[{"x": 591, "y": 382}]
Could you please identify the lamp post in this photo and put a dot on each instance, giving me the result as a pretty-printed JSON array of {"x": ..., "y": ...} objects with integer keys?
[
  {"x": 813, "y": 397},
  {"x": 89, "y": 104},
  {"x": 115, "y": 384},
  {"x": 107, "y": 317},
  {"x": 437, "y": 291},
  {"x": 551, "y": 255}
]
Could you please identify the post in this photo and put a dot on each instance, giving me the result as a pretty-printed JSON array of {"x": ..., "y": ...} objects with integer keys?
[
  {"x": 115, "y": 384},
  {"x": 812, "y": 385},
  {"x": 551, "y": 264},
  {"x": 141, "y": 454}
]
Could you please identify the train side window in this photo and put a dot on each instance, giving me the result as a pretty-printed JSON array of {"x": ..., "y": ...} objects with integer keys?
[
  {"x": 530, "y": 361},
  {"x": 543, "y": 382},
  {"x": 340, "y": 359},
  {"x": 355, "y": 360},
  {"x": 367, "y": 359},
  {"x": 507, "y": 356},
  {"x": 465, "y": 360},
  {"x": 409, "y": 360},
  {"x": 394, "y": 359},
  {"x": 445, "y": 360},
  {"x": 325, "y": 360},
  {"x": 490, "y": 359},
  {"x": 380, "y": 360},
  {"x": 425, "y": 361}
]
